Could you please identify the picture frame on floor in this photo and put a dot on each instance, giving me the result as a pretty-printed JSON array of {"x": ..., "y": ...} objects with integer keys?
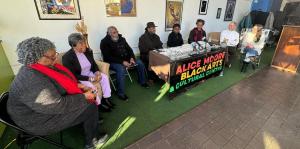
[
  {"x": 173, "y": 13},
  {"x": 203, "y": 7},
  {"x": 229, "y": 11},
  {"x": 58, "y": 9}
]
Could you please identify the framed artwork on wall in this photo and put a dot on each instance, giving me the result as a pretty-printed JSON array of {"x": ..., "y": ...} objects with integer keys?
[
  {"x": 219, "y": 13},
  {"x": 120, "y": 8},
  {"x": 203, "y": 7},
  {"x": 229, "y": 12},
  {"x": 173, "y": 13},
  {"x": 58, "y": 9}
]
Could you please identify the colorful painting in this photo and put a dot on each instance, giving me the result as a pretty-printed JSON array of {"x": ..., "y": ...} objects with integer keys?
[
  {"x": 229, "y": 10},
  {"x": 58, "y": 9},
  {"x": 173, "y": 13},
  {"x": 117, "y": 8}
]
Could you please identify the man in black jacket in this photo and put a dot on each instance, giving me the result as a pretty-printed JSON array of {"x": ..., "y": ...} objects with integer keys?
[
  {"x": 175, "y": 38},
  {"x": 119, "y": 55},
  {"x": 147, "y": 42}
]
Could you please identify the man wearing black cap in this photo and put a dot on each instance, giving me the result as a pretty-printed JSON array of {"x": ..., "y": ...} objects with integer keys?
[{"x": 147, "y": 42}]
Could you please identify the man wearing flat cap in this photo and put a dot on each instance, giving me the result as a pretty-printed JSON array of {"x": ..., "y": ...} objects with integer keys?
[{"x": 147, "y": 42}]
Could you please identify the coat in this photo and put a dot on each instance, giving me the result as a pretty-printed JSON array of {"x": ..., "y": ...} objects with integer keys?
[
  {"x": 71, "y": 61},
  {"x": 36, "y": 104},
  {"x": 116, "y": 52},
  {"x": 174, "y": 40},
  {"x": 148, "y": 42}
]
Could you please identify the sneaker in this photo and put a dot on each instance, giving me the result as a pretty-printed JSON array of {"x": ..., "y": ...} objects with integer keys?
[
  {"x": 145, "y": 85},
  {"x": 123, "y": 97},
  {"x": 97, "y": 142}
]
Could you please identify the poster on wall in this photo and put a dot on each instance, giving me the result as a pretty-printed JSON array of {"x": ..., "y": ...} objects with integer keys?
[
  {"x": 219, "y": 13},
  {"x": 203, "y": 7},
  {"x": 229, "y": 11},
  {"x": 173, "y": 13},
  {"x": 58, "y": 9},
  {"x": 120, "y": 8}
]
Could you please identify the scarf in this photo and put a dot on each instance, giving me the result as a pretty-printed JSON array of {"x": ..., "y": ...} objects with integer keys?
[
  {"x": 68, "y": 83},
  {"x": 197, "y": 32}
]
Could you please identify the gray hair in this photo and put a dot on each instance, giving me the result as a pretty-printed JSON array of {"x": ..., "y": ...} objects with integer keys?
[
  {"x": 31, "y": 50},
  {"x": 74, "y": 38},
  {"x": 110, "y": 28}
]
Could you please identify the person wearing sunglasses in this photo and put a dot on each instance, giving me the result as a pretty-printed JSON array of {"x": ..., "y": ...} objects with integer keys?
[{"x": 45, "y": 97}]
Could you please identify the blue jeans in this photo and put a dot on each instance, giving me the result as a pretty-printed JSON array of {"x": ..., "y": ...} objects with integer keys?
[{"x": 120, "y": 72}]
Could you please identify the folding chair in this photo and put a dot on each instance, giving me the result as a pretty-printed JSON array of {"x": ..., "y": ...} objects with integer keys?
[{"x": 24, "y": 139}]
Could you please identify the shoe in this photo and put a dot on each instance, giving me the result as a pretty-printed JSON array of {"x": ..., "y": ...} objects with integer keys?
[
  {"x": 104, "y": 108},
  {"x": 97, "y": 142},
  {"x": 145, "y": 85},
  {"x": 107, "y": 102},
  {"x": 100, "y": 121},
  {"x": 229, "y": 66},
  {"x": 123, "y": 97}
]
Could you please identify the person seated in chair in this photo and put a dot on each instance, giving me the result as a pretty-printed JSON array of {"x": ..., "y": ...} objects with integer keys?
[
  {"x": 175, "y": 38},
  {"x": 119, "y": 55},
  {"x": 253, "y": 43},
  {"x": 231, "y": 38},
  {"x": 147, "y": 42},
  {"x": 197, "y": 34},
  {"x": 80, "y": 61},
  {"x": 45, "y": 97}
]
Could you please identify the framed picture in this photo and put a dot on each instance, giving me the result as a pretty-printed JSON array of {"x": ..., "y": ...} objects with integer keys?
[
  {"x": 229, "y": 10},
  {"x": 120, "y": 8},
  {"x": 219, "y": 13},
  {"x": 58, "y": 9},
  {"x": 203, "y": 7},
  {"x": 173, "y": 13}
]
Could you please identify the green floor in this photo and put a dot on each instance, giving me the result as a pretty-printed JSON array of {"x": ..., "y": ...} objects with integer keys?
[{"x": 145, "y": 113}]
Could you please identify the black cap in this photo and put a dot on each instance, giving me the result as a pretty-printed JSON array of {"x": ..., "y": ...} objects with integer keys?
[{"x": 150, "y": 24}]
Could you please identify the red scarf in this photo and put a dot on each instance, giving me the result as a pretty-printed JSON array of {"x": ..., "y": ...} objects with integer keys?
[
  {"x": 69, "y": 84},
  {"x": 196, "y": 35}
]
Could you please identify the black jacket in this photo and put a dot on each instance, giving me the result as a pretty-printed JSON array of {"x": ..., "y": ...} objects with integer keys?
[
  {"x": 148, "y": 42},
  {"x": 174, "y": 40},
  {"x": 71, "y": 61},
  {"x": 116, "y": 52},
  {"x": 192, "y": 34}
]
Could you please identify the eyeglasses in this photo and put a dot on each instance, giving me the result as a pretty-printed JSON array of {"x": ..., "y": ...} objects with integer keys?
[{"x": 53, "y": 58}]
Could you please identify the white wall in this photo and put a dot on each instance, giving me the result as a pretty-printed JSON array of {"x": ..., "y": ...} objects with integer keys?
[{"x": 19, "y": 20}]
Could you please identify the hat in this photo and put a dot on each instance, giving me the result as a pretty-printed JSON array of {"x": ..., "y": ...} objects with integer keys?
[{"x": 150, "y": 24}]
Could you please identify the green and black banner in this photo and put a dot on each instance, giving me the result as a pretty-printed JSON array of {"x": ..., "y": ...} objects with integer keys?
[{"x": 187, "y": 72}]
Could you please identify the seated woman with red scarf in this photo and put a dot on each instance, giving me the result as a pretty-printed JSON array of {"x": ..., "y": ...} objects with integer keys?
[
  {"x": 197, "y": 34},
  {"x": 45, "y": 97}
]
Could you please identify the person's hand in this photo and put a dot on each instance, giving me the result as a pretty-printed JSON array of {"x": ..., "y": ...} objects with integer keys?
[
  {"x": 97, "y": 76},
  {"x": 89, "y": 96},
  {"x": 132, "y": 62},
  {"x": 126, "y": 64},
  {"x": 83, "y": 87}
]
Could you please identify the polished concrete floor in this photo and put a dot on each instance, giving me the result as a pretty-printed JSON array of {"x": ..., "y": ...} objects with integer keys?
[{"x": 260, "y": 112}]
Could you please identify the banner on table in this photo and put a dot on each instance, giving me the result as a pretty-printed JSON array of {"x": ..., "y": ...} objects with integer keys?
[{"x": 187, "y": 72}]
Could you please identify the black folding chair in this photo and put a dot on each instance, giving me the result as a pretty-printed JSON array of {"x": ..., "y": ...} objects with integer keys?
[{"x": 24, "y": 139}]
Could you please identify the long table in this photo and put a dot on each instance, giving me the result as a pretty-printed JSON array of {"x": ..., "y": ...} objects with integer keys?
[{"x": 182, "y": 74}]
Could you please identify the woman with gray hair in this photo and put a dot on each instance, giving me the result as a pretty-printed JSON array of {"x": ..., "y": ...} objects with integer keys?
[
  {"x": 80, "y": 61},
  {"x": 46, "y": 98}
]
